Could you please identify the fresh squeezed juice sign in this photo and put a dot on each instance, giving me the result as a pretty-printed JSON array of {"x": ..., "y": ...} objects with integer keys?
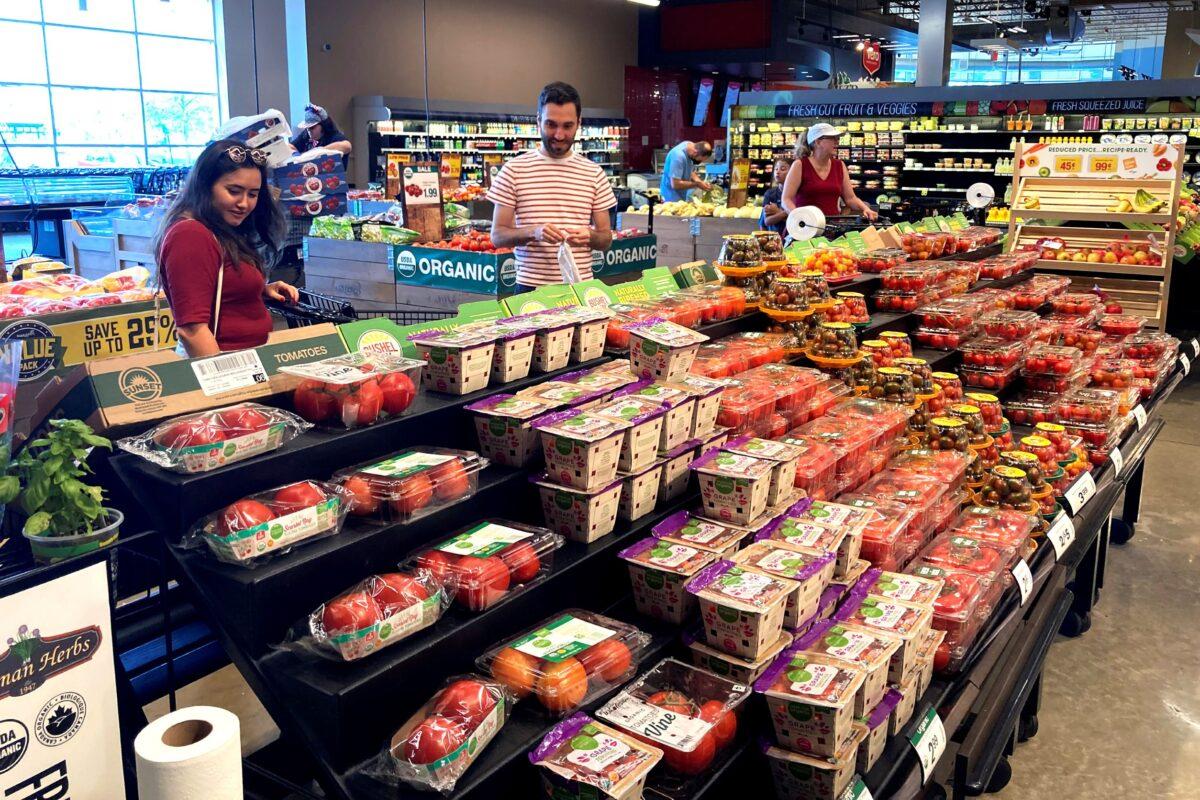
[
  {"x": 635, "y": 254},
  {"x": 1136, "y": 161},
  {"x": 459, "y": 270}
]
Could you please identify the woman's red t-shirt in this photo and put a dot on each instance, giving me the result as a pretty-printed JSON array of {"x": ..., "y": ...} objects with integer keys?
[
  {"x": 191, "y": 258},
  {"x": 824, "y": 193}
]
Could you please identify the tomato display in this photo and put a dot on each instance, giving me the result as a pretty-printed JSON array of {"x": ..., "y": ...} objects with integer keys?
[
  {"x": 244, "y": 514},
  {"x": 298, "y": 496},
  {"x": 471, "y": 241},
  {"x": 355, "y": 389},
  {"x": 412, "y": 482},
  {"x": 466, "y": 700}
]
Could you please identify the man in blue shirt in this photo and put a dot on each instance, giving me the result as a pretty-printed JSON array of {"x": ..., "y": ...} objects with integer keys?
[{"x": 679, "y": 173}]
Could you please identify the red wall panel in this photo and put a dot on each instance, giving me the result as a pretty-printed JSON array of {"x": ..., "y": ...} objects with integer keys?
[
  {"x": 659, "y": 105},
  {"x": 715, "y": 26}
]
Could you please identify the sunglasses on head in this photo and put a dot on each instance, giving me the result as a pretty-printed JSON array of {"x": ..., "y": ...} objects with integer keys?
[{"x": 237, "y": 154}]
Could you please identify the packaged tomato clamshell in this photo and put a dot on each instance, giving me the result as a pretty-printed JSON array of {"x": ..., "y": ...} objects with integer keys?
[
  {"x": 566, "y": 660},
  {"x": 441, "y": 740},
  {"x": 355, "y": 389},
  {"x": 504, "y": 426},
  {"x": 872, "y": 745},
  {"x": 869, "y": 651},
  {"x": 810, "y": 698},
  {"x": 412, "y": 483},
  {"x": 702, "y": 534},
  {"x": 909, "y": 588},
  {"x": 737, "y": 669},
  {"x": 581, "y": 449},
  {"x": 560, "y": 393},
  {"x": 955, "y": 551},
  {"x": 582, "y": 515},
  {"x": 273, "y": 521},
  {"x": 679, "y": 406},
  {"x": 658, "y": 570},
  {"x": 640, "y": 442},
  {"x": 832, "y": 527},
  {"x": 811, "y": 570},
  {"x": 378, "y": 611},
  {"x": 488, "y": 562},
  {"x": 662, "y": 350},
  {"x": 816, "y": 468},
  {"x": 688, "y": 713},
  {"x": 890, "y": 536},
  {"x": 581, "y": 758},
  {"x": 742, "y": 609},
  {"x": 963, "y": 605},
  {"x": 733, "y": 488},
  {"x": 456, "y": 362},
  {"x": 211, "y": 439},
  {"x": 1003, "y": 527},
  {"x": 676, "y": 474}
]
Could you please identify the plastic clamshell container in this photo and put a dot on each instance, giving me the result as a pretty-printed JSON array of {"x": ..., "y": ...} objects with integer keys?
[
  {"x": 742, "y": 609},
  {"x": 702, "y": 534},
  {"x": 816, "y": 468},
  {"x": 1075, "y": 303},
  {"x": 1032, "y": 409},
  {"x": 888, "y": 538},
  {"x": 990, "y": 379},
  {"x": 869, "y": 651},
  {"x": 413, "y": 482},
  {"x": 783, "y": 455},
  {"x": 990, "y": 354},
  {"x": 456, "y": 362},
  {"x": 639, "y": 491},
  {"x": 962, "y": 607},
  {"x": 1006, "y": 528},
  {"x": 810, "y": 699},
  {"x": 504, "y": 427},
  {"x": 1149, "y": 346},
  {"x": 908, "y": 621},
  {"x": 639, "y": 444},
  {"x": 729, "y": 666},
  {"x": 1009, "y": 324},
  {"x": 582, "y": 759},
  {"x": 1046, "y": 359},
  {"x": 581, "y": 449},
  {"x": 658, "y": 571},
  {"x": 746, "y": 405},
  {"x": 810, "y": 569},
  {"x": 346, "y": 378},
  {"x": 966, "y": 553},
  {"x": 582, "y": 515},
  {"x": 662, "y": 350},
  {"x": 733, "y": 488},
  {"x": 679, "y": 410},
  {"x": 707, "y": 394},
  {"x": 1088, "y": 406}
]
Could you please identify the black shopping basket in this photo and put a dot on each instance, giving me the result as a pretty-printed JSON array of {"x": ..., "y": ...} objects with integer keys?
[{"x": 313, "y": 308}]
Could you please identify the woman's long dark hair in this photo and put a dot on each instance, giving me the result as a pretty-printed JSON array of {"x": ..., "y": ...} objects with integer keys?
[
  {"x": 329, "y": 129},
  {"x": 263, "y": 228}
]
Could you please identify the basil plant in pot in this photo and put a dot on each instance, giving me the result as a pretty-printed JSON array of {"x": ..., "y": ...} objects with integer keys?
[{"x": 64, "y": 516}]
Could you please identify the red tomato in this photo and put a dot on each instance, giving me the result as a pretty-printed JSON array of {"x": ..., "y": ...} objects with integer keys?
[
  {"x": 440, "y": 563},
  {"x": 450, "y": 480},
  {"x": 398, "y": 392},
  {"x": 695, "y": 762},
  {"x": 436, "y": 737},
  {"x": 359, "y": 404},
  {"x": 411, "y": 494},
  {"x": 240, "y": 421},
  {"x": 349, "y": 613},
  {"x": 677, "y": 702},
  {"x": 610, "y": 658},
  {"x": 313, "y": 402},
  {"x": 364, "y": 502},
  {"x": 466, "y": 700},
  {"x": 395, "y": 591},
  {"x": 189, "y": 433},
  {"x": 242, "y": 515},
  {"x": 522, "y": 561},
  {"x": 298, "y": 496},
  {"x": 724, "y": 721},
  {"x": 481, "y": 581}
]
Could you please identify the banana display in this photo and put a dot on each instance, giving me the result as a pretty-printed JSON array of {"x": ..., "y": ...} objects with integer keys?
[{"x": 1141, "y": 202}]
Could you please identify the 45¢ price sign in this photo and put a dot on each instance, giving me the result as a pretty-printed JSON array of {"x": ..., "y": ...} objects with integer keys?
[{"x": 929, "y": 740}]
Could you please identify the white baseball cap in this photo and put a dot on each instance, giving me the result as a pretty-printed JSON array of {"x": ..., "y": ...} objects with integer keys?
[{"x": 822, "y": 129}]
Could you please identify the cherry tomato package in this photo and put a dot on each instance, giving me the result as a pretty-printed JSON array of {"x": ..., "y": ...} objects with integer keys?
[
  {"x": 810, "y": 698},
  {"x": 273, "y": 521},
  {"x": 582, "y": 759},
  {"x": 488, "y": 562},
  {"x": 356, "y": 389},
  {"x": 816, "y": 468},
  {"x": 688, "y": 713},
  {"x": 435, "y": 747},
  {"x": 966, "y": 553},
  {"x": 869, "y": 651},
  {"x": 567, "y": 660},
  {"x": 965, "y": 602},
  {"x": 742, "y": 609},
  {"x": 890, "y": 537},
  {"x": 411, "y": 483},
  {"x": 378, "y": 611},
  {"x": 209, "y": 440}
]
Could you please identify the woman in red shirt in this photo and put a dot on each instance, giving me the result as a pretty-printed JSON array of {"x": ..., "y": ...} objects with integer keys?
[
  {"x": 818, "y": 179},
  {"x": 208, "y": 252}
]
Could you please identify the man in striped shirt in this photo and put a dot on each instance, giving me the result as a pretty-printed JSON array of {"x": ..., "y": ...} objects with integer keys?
[{"x": 552, "y": 195}]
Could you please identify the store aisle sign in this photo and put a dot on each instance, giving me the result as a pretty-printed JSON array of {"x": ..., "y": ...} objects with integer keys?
[
  {"x": 460, "y": 270},
  {"x": 883, "y": 109},
  {"x": 929, "y": 740},
  {"x": 59, "y": 728},
  {"x": 634, "y": 254}
]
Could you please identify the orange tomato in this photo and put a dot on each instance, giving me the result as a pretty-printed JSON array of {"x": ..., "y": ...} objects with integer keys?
[
  {"x": 610, "y": 659},
  {"x": 516, "y": 670},
  {"x": 562, "y": 686}
]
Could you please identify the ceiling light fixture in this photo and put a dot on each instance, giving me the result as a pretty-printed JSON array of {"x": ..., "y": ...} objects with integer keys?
[
  {"x": 1017, "y": 29},
  {"x": 845, "y": 36},
  {"x": 859, "y": 47},
  {"x": 652, "y": 3}
]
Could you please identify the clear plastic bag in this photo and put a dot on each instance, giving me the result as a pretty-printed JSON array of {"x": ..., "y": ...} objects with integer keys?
[{"x": 211, "y": 439}]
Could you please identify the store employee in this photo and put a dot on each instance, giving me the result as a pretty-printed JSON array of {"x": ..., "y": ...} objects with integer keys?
[
  {"x": 551, "y": 195},
  {"x": 679, "y": 171},
  {"x": 317, "y": 129},
  {"x": 817, "y": 178}
]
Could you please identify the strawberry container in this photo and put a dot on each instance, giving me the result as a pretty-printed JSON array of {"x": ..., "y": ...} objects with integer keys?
[
  {"x": 411, "y": 483},
  {"x": 1150, "y": 346},
  {"x": 816, "y": 468},
  {"x": 456, "y": 362},
  {"x": 1013, "y": 326},
  {"x": 868, "y": 650},
  {"x": 1032, "y": 409},
  {"x": 567, "y": 660},
  {"x": 582, "y": 515},
  {"x": 1007, "y": 487},
  {"x": 884, "y": 260},
  {"x": 679, "y": 406},
  {"x": 733, "y": 488},
  {"x": 1002, "y": 527},
  {"x": 662, "y": 350},
  {"x": 658, "y": 570},
  {"x": 746, "y": 405},
  {"x": 741, "y": 609},
  {"x": 1091, "y": 407},
  {"x": 582, "y": 759},
  {"x": 810, "y": 570},
  {"x": 272, "y": 522},
  {"x": 810, "y": 699},
  {"x": 1119, "y": 326},
  {"x": 1075, "y": 304},
  {"x": 504, "y": 427},
  {"x": 890, "y": 536}
]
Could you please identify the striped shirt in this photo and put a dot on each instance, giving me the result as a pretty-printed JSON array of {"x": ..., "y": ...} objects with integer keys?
[{"x": 564, "y": 192}]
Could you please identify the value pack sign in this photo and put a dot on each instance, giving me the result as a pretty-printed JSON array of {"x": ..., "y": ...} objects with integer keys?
[
  {"x": 457, "y": 270},
  {"x": 59, "y": 729},
  {"x": 635, "y": 254}
]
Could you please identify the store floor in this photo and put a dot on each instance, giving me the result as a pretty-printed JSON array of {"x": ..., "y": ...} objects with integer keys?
[{"x": 1121, "y": 707}]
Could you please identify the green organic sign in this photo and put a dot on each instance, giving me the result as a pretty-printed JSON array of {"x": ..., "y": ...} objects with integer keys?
[
  {"x": 635, "y": 254},
  {"x": 458, "y": 270}
]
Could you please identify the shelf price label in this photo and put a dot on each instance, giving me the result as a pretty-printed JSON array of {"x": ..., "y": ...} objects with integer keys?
[
  {"x": 857, "y": 790},
  {"x": 1139, "y": 415},
  {"x": 1118, "y": 460},
  {"x": 1185, "y": 364},
  {"x": 1195, "y": 347},
  {"x": 929, "y": 740},
  {"x": 1082, "y": 490},
  {"x": 1024, "y": 579},
  {"x": 1061, "y": 534}
]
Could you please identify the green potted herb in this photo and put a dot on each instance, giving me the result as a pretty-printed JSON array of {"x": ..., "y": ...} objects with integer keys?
[{"x": 64, "y": 516}]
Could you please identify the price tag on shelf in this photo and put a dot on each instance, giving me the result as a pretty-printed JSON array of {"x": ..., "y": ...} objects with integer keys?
[
  {"x": 1118, "y": 460},
  {"x": 1195, "y": 348},
  {"x": 929, "y": 740},
  {"x": 1061, "y": 534},
  {"x": 857, "y": 790},
  {"x": 1185, "y": 364},
  {"x": 1024, "y": 579},
  {"x": 1139, "y": 415},
  {"x": 1079, "y": 492}
]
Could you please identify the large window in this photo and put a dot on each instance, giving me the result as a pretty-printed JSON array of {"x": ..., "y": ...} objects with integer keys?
[
  {"x": 107, "y": 82},
  {"x": 1084, "y": 62}
]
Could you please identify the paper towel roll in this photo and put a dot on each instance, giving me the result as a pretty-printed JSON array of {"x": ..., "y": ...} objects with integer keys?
[{"x": 192, "y": 753}]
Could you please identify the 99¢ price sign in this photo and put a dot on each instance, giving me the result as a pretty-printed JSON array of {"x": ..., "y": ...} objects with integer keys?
[{"x": 929, "y": 740}]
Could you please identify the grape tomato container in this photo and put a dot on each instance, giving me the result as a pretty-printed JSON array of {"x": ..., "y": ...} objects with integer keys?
[
  {"x": 411, "y": 483},
  {"x": 562, "y": 394},
  {"x": 741, "y": 609},
  {"x": 591, "y": 325},
  {"x": 894, "y": 385},
  {"x": 816, "y": 468},
  {"x": 872, "y": 745},
  {"x": 889, "y": 534},
  {"x": 733, "y": 488},
  {"x": 907, "y": 621},
  {"x": 489, "y": 561},
  {"x": 899, "y": 342},
  {"x": 707, "y": 394},
  {"x": 1007, "y": 487},
  {"x": 513, "y": 356},
  {"x": 456, "y": 362},
  {"x": 1056, "y": 384},
  {"x": 476, "y": 726},
  {"x": 793, "y": 386},
  {"x": 786, "y": 294},
  {"x": 963, "y": 605},
  {"x": 919, "y": 492},
  {"x": 658, "y": 570},
  {"x": 677, "y": 473},
  {"x": 679, "y": 410},
  {"x": 882, "y": 260},
  {"x": 1005, "y": 528},
  {"x": 582, "y": 759},
  {"x": 912, "y": 277},
  {"x": 1010, "y": 325},
  {"x": 662, "y": 350},
  {"x": 1084, "y": 340},
  {"x": 879, "y": 351},
  {"x": 835, "y": 340},
  {"x": 855, "y": 307},
  {"x": 922, "y": 591},
  {"x": 894, "y": 301},
  {"x": 819, "y": 525},
  {"x": 1150, "y": 346},
  {"x": 1075, "y": 303},
  {"x": 639, "y": 491},
  {"x": 640, "y": 440},
  {"x": 1029, "y": 464},
  {"x": 951, "y": 386},
  {"x": 1089, "y": 406},
  {"x": 716, "y": 303},
  {"x": 949, "y": 467},
  {"x": 746, "y": 405},
  {"x": 581, "y": 449},
  {"x": 821, "y": 777},
  {"x": 739, "y": 250},
  {"x": 721, "y": 541},
  {"x": 784, "y": 456},
  {"x": 729, "y": 666},
  {"x": 948, "y": 433},
  {"x": 811, "y": 699},
  {"x": 954, "y": 313},
  {"x": 991, "y": 379},
  {"x": 816, "y": 287},
  {"x": 869, "y": 651},
  {"x": 1032, "y": 409},
  {"x": 921, "y": 372},
  {"x": 273, "y": 521},
  {"x": 990, "y": 410},
  {"x": 570, "y": 658},
  {"x": 212, "y": 439},
  {"x": 504, "y": 427},
  {"x": 968, "y": 554},
  {"x": 1044, "y": 359},
  {"x": 1113, "y": 373},
  {"x": 811, "y": 570},
  {"x": 360, "y": 386},
  {"x": 992, "y": 354},
  {"x": 942, "y": 338},
  {"x": 554, "y": 336},
  {"x": 582, "y": 515}
]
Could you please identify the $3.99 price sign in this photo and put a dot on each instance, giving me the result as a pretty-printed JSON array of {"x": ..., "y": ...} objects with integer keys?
[{"x": 929, "y": 740}]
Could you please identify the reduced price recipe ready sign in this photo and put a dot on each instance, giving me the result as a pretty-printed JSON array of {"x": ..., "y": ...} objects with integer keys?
[{"x": 59, "y": 730}]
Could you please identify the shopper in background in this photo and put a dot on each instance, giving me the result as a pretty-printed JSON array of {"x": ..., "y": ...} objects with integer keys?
[
  {"x": 679, "y": 171},
  {"x": 317, "y": 129},
  {"x": 552, "y": 195},
  {"x": 773, "y": 217},
  {"x": 208, "y": 252},
  {"x": 818, "y": 178}
]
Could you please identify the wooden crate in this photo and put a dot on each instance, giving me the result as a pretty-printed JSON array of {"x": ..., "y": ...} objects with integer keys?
[
  {"x": 1141, "y": 297},
  {"x": 135, "y": 242},
  {"x": 91, "y": 256}
]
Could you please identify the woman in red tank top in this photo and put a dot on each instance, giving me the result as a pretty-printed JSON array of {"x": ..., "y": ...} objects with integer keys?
[{"x": 818, "y": 179}]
